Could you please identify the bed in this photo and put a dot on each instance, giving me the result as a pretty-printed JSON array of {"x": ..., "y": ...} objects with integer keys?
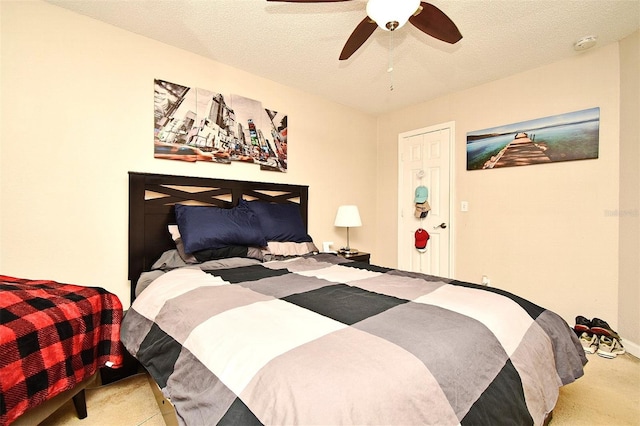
[
  {"x": 54, "y": 338},
  {"x": 293, "y": 336}
]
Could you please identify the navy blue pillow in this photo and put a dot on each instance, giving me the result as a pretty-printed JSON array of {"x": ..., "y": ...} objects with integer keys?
[
  {"x": 203, "y": 227},
  {"x": 280, "y": 222}
]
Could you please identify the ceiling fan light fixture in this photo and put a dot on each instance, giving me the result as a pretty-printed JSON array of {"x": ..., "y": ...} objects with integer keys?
[{"x": 391, "y": 14}]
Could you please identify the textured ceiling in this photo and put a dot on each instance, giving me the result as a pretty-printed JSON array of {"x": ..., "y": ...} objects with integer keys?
[{"x": 298, "y": 44}]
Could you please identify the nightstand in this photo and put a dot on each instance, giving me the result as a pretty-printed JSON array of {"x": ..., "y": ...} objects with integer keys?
[{"x": 358, "y": 256}]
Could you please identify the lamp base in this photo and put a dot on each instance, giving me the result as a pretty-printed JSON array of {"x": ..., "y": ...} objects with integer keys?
[{"x": 348, "y": 250}]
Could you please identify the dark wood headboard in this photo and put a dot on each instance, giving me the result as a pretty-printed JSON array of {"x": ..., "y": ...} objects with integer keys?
[{"x": 151, "y": 208}]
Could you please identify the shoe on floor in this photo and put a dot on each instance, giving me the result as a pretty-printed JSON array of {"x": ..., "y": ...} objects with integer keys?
[
  {"x": 610, "y": 347},
  {"x": 601, "y": 327},
  {"x": 582, "y": 324},
  {"x": 589, "y": 342}
]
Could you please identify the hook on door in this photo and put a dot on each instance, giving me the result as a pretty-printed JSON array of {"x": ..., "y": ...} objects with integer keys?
[{"x": 442, "y": 225}]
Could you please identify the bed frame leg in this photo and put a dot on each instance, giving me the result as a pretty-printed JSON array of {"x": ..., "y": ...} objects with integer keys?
[{"x": 80, "y": 402}]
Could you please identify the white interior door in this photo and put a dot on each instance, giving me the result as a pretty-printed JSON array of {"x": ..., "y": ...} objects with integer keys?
[{"x": 425, "y": 159}]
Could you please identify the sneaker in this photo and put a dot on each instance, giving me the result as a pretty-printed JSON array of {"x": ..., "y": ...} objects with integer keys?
[
  {"x": 589, "y": 342},
  {"x": 601, "y": 327},
  {"x": 582, "y": 324},
  {"x": 610, "y": 347}
]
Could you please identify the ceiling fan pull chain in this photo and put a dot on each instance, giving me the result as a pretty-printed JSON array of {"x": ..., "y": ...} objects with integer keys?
[{"x": 390, "y": 69}]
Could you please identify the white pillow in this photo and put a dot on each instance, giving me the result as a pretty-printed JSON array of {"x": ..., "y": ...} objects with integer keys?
[{"x": 290, "y": 249}]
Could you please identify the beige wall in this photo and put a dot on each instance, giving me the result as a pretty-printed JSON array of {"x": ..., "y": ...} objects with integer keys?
[
  {"x": 629, "y": 295},
  {"x": 539, "y": 231},
  {"x": 77, "y": 103}
]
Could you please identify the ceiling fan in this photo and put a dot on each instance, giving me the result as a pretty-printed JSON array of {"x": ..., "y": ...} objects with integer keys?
[{"x": 393, "y": 14}]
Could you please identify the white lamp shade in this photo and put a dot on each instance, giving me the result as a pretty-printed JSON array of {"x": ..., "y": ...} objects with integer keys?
[
  {"x": 348, "y": 216},
  {"x": 385, "y": 11}
]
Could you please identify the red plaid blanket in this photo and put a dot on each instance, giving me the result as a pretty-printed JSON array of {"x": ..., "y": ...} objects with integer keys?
[{"x": 52, "y": 337}]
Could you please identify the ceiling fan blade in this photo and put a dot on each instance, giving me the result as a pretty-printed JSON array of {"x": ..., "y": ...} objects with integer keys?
[
  {"x": 308, "y": 1},
  {"x": 357, "y": 38},
  {"x": 434, "y": 22}
]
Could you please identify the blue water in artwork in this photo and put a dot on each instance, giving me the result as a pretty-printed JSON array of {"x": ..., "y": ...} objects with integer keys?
[
  {"x": 575, "y": 141},
  {"x": 481, "y": 150},
  {"x": 570, "y": 142}
]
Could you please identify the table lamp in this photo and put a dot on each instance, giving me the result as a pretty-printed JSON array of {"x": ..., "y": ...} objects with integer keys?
[{"x": 347, "y": 217}]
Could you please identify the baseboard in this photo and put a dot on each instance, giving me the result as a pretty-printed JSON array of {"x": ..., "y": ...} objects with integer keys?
[{"x": 631, "y": 347}]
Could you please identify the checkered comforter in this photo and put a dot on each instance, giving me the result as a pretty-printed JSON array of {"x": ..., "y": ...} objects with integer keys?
[
  {"x": 52, "y": 337},
  {"x": 320, "y": 340}
]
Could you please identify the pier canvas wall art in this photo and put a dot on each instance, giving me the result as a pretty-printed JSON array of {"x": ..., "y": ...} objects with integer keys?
[
  {"x": 194, "y": 124},
  {"x": 563, "y": 137}
]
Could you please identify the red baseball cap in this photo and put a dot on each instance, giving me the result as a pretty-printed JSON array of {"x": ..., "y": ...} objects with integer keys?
[{"x": 422, "y": 237}]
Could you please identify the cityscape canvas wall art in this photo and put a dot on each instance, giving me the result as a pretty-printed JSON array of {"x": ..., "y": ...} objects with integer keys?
[
  {"x": 194, "y": 124},
  {"x": 563, "y": 137}
]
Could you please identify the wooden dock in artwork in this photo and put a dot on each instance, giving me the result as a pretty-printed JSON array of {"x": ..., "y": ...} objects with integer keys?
[{"x": 521, "y": 151}]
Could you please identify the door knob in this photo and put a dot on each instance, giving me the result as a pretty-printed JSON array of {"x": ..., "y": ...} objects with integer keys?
[{"x": 442, "y": 225}]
